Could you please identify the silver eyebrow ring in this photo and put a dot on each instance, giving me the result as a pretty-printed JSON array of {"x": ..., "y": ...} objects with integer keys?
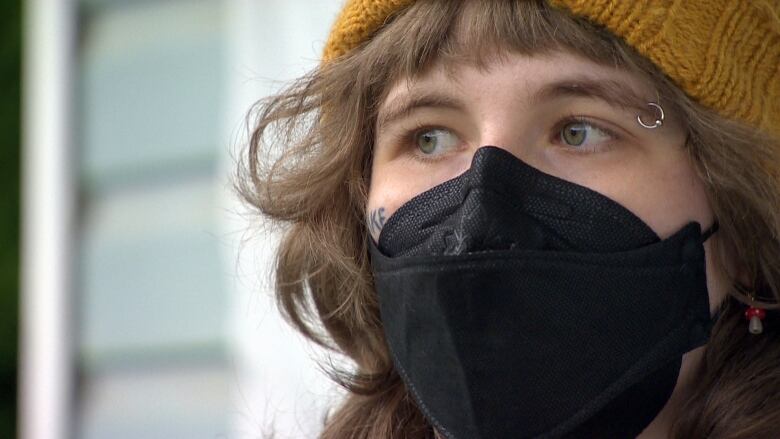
[{"x": 659, "y": 120}]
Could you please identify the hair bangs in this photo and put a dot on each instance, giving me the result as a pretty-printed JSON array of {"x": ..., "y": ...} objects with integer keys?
[{"x": 478, "y": 33}]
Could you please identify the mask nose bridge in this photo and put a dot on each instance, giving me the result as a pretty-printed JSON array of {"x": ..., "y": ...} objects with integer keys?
[
  {"x": 516, "y": 148},
  {"x": 485, "y": 158},
  {"x": 503, "y": 128}
]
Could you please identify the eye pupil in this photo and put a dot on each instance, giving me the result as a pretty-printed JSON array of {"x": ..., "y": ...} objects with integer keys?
[
  {"x": 427, "y": 142},
  {"x": 575, "y": 134}
]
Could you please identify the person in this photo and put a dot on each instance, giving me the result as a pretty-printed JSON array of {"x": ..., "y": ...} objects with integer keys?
[{"x": 535, "y": 219}]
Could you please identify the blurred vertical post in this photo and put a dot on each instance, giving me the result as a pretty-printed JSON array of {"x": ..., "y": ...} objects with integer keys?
[{"x": 47, "y": 220}]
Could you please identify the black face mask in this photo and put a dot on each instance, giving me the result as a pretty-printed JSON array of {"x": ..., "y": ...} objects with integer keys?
[{"x": 519, "y": 305}]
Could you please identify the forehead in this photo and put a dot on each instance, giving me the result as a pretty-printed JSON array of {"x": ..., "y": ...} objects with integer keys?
[{"x": 523, "y": 76}]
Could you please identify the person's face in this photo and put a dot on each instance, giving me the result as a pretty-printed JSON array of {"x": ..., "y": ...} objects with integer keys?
[{"x": 561, "y": 114}]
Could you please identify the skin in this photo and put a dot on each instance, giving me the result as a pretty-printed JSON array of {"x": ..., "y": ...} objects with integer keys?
[{"x": 646, "y": 171}]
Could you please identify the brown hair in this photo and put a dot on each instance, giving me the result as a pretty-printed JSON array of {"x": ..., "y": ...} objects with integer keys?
[{"x": 315, "y": 185}]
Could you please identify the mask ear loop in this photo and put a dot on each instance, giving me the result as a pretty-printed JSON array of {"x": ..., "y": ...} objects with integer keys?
[
  {"x": 756, "y": 312},
  {"x": 709, "y": 232}
]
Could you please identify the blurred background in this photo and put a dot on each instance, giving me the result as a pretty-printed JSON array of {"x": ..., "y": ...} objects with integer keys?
[
  {"x": 141, "y": 283},
  {"x": 10, "y": 71}
]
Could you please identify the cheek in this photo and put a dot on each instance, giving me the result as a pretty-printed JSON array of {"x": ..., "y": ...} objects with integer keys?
[
  {"x": 668, "y": 210},
  {"x": 387, "y": 194},
  {"x": 395, "y": 182},
  {"x": 666, "y": 195},
  {"x": 384, "y": 198}
]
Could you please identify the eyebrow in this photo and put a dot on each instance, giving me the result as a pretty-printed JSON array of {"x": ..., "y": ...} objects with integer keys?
[
  {"x": 407, "y": 105},
  {"x": 615, "y": 93}
]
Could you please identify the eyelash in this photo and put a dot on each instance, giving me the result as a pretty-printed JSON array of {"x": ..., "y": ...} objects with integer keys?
[
  {"x": 575, "y": 118},
  {"x": 408, "y": 137}
]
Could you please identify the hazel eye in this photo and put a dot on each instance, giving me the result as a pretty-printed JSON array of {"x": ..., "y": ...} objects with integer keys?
[
  {"x": 435, "y": 141},
  {"x": 580, "y": 133}
]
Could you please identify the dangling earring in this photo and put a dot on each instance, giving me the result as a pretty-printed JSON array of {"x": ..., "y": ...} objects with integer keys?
[
  {"x": 755, "y": 316},
  {"x": 757, "y": 307}
]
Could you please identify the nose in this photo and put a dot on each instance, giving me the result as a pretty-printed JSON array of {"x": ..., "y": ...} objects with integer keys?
[
  {"x": 508, "y": 138},
  {"x": 511, "y": 136}
]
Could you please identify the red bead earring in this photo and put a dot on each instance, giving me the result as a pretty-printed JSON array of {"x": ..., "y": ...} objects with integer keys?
[{"x": 755, "y": 316}]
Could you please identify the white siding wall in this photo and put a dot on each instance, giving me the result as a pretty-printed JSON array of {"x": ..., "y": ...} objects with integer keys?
[
  {"x": 279, "y": 388},
  {"x": 151, "y": 292},
  {"x": 168, "y": 328}
]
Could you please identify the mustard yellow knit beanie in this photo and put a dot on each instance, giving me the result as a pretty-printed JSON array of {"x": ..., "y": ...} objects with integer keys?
[{"x": 723, "y": 53}]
